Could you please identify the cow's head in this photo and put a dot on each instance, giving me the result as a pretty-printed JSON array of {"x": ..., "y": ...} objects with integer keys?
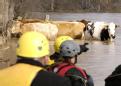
[
  {"x": 111, "y": 29},
  {"x": 108, "y": 32}
]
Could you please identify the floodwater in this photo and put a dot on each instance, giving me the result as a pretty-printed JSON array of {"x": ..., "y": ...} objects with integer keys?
[
  {"x": 99, "y": 61},
  {"x": 102, "y": 58}
]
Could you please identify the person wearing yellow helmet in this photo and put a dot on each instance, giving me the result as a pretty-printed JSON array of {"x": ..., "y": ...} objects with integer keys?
[
  {"x": 27, "y": 50},
  {"x": 57, "y": 45},
  {"x": 33, "y": 54}
]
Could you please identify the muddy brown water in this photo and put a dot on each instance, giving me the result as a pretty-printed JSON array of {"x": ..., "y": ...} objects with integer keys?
[{"x": 99, "y": 61}]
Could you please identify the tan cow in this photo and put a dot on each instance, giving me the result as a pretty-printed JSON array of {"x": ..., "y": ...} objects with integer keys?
[
  {"x": 48, "y": 29},
  {"x": 73, "y": 29}
]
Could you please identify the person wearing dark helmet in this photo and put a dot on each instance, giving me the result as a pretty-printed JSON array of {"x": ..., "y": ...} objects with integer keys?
[
  {"x": 69, "y": 51},
  {"x": 56, "y": 56},
  {"x": 33, "y": 54}
]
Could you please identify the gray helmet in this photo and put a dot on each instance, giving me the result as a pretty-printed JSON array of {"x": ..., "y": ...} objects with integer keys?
[{"x": 69, "y": 49}]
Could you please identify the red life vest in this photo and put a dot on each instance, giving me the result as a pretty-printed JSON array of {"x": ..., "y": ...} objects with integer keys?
[{"x": 61, "y": 69}]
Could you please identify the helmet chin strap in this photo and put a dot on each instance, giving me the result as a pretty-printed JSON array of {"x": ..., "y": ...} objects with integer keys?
[{"x": 75, "y": 60}]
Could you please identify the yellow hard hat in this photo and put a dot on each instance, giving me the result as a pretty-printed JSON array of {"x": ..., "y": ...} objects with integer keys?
[
  {"x": 32, "y": 45},
  {"x": 59, "y": 41}
]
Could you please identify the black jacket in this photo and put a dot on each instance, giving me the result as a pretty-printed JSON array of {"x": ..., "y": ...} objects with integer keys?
[
  {"x": 115, "y": 78},
  {"x": 45, "y": 78}
]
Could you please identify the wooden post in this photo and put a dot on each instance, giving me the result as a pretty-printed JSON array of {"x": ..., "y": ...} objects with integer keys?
[{"x": 47, "y": 18}]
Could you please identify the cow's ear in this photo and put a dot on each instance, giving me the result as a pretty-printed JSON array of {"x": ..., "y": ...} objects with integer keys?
[
  {"x": 116, "y": 26},
  {"x": 106, "y": 27},
  {"x": 92, "y": 24}
]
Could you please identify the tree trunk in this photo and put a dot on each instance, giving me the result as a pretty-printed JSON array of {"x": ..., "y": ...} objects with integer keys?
[{"x": 52, "y": 5}]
